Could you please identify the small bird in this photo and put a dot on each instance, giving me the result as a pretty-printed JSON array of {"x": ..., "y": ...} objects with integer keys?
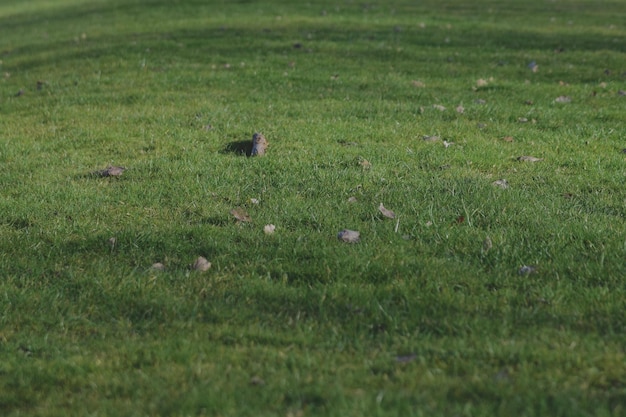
[
  {"x": 527, "y": 158},
  {"x": 111, "y": 171},
  {"x": 386, "y": 212},
  {"x": 349, "y": 236},
  {"x": 259, "y": 144}
]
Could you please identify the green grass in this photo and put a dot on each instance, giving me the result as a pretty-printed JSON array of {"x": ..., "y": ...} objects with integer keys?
[{"x": 417, "y": 319}]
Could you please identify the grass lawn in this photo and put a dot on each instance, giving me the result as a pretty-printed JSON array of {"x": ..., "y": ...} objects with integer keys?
[{"x": 497, "y": 289}]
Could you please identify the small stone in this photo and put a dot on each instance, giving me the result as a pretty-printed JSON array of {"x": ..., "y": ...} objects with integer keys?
[{"x": 349, "y": 236}]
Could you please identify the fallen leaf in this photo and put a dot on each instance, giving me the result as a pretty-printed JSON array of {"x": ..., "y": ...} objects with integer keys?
[
  {"x": 386, "y": 212},
  {"x": 563, "y": 99},
  {"x": 527, "y": 270},
  {"x": 259, "y": 144},
  {"x": 504, "y": 184},
  {"x": 418, "y": 84},
  {"x": 365, "y": 163},
  {"x": 201, "y": 264},
  {"x": 439, "y": 107},
  {"x": 269, "y": 229},
  {"x": 240, "y": 214},
  {"x": 460, "y": 219},
  {"x": 349, "y": 236},
  {"x": 430, "y": 138},
  {"x": 526, "y": 158},
  {"x": 508, "y": 139}
]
